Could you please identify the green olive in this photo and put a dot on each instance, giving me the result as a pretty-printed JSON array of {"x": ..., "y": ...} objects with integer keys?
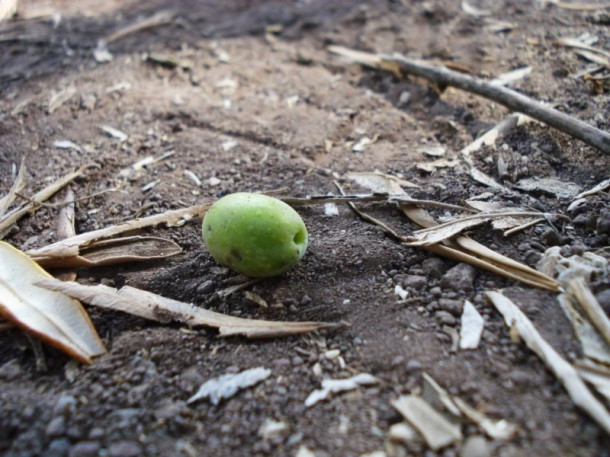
[{"x": 255, "y": 235}]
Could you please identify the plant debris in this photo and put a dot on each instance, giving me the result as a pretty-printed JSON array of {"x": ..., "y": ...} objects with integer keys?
[
  {"x": 157, "y": 308},
  {"x": 52, "y": 316},
  {"x": 472, "y": 327},
  {"x": 228, "y": 385},
  {"x": 581, "y": 396},
  {"x": 339, "y": 385},
  {"x": 433, "y": 426}
]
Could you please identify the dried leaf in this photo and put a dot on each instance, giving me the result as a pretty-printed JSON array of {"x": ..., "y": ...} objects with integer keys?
[
  {"x": 114, "y": 133},
  {"x": 581, "y": 396},
  {"x": 156, "y": 20},
  {"x": 498, "y": 430},
  {"x": 551, "y": 186},
  {"x": 227, "y": 385},
  {"x": 435, "y": 150},
  {"x": 59, "y": 98},
  {"x": 490, "y": 260},
  {"x": 18, "y": 184},
  {"x": 71, "y": 247},
  {"x": 379, "y": 182},
  {"x": 438, "y": 233},
  {"x": 484, "y": 179},
  {"x": 436, "y": 430},
  {"x": 605, "y": 184},
  {"x": 596, "y": 375},
  {"x": 51, "y": 316},
  {"x": 593, "y": 345},
  {"x": 8, "y": 8},
  {"x": 113, "y": 251},
  {"x": 472, "y": 327},
  {"x": 579, "y": 289},
  {"x": 490, "y": 137},
  {"x": 66, "y": 217},
  {"x": 430, "y": 167},
  {"x": 10, "y": 218},
  {"x": 339, "y": 385},
  {"x": 438, "y": 397},
  {"x": 509, "y": 267},
  {"x": 474, "y": 11},
  {"x": 511, "y": 77},
  {"x": 578, "y": 6},
  {"x": 157, "y": 308},
  {"x": 67, "y": 144}
]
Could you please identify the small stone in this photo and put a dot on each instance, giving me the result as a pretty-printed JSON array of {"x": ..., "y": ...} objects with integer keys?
[
  {"x": 398, "y": 360},
  {"x": 65, "y": 406},
  {"x": 475, "y": 446},
  {"x": 168, "y": 409},
  {"x": 520, "y": 377},
  {"x": 603, "y": 222},
  {"x": 445, "y": 318},
  {"x": 58, "y": 448},
  {"x": 56, "y": 427},
  {"x": 454, "y": 307},
  {"x": 550, "y": 237},
  {"x": 415, "y": 282},
  {"x": 436, "y": 292},
  {"x": 125, "y": 449},
  {"x": 413, "y": 366},
  {"x": 459, "y": 278},
  {"x": 96, "y": 433},
  {"x": 10, "y": 371},
  {"x": 296, "y": 361},
  {"x": 206, "y": 287},
  {"x": 434, "y": 267},
  {"x": 306, "y": 300},
  {"x": 85, "y": 449},
  {"x": 583, "y": 219}
]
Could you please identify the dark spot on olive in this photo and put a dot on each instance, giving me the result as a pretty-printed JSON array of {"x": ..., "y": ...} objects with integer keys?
[
  {"x": 209, "y": 228},
  {"x": 235, "y": 253}
]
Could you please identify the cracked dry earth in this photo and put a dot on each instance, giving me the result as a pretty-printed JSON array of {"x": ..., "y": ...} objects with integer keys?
[{"x": 252, "y": 110}]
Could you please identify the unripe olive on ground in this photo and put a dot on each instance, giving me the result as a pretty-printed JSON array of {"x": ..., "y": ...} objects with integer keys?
[{"x": 255, "y": 235}]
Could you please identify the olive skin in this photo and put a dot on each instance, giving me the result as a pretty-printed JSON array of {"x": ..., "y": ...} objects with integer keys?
[{"x": 255, "y": 235}]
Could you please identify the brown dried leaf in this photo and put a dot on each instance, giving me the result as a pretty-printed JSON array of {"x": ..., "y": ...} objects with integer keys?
[
  {"x": 113, "y": 251},
  {"x": 160, "y": 309},
  {"x": 51, "y": 316},
  {"x": 71, "y": 247}
]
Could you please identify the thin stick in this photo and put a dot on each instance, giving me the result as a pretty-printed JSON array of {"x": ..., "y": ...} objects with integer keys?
[
  {"x": 375, "y": 197},
  {"x": 523, "y": 226},
  {"x": 482, "y": 216},
  {"x": 507, "y": 97}
]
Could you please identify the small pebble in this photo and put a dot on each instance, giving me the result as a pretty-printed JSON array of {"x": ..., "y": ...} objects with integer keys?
[
  {"x": 125, "y": 449},
  {"x": 413, "y": 366},
  {"x": 445, "y": 318},
  {"x": 85, "y": 449}
]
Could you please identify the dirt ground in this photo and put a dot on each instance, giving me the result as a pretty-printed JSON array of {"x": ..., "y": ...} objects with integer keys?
[{"x": 257, "y": 103}]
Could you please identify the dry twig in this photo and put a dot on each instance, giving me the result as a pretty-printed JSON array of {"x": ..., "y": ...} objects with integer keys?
[{"x": 511, "y": 99}]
